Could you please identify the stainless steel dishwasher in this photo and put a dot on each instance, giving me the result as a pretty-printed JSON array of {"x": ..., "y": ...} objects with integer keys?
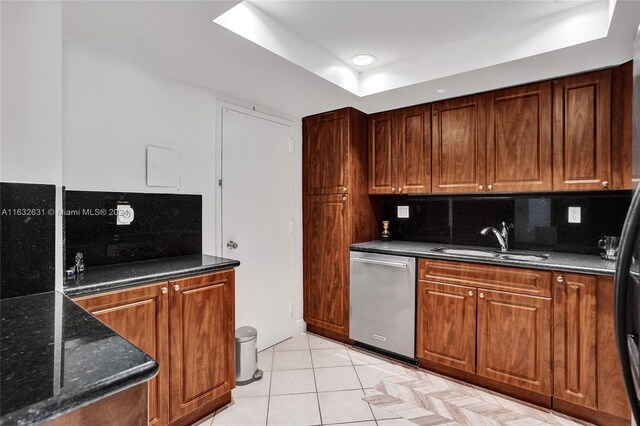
[{"x": 383, "y": 302}]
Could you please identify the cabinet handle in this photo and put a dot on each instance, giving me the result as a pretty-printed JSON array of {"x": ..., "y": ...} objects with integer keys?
[
  {"x": 480, "y": 187},
  {"x": 344, "y": 189},
  {"x": 399, "y": 190},
  {"x": 470, "y": 293},
  {"x": 344, "y": 199},
  {"x": 164, "y": 290},
  {"x": 176, "y": 287},
  {"x": 490, "y": 187},
  {"x": 605, "y": 183},
  {"x": 481, "y": 295},
  {"x": 393, "y": 190},
  {"x": 560, "y": 279}
]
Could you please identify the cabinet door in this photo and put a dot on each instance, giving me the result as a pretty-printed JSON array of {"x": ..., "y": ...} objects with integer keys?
[
  {"x": 382, "y": 154},
  {"x": 519, "y": 139},
  {"x": 459, "y": 145},
  {"x": 514, "y": 340},
  {"x": 612, "y": 397},
  {"x": 413, "y": 154},
  {"x": 326, "y": 153},
  {"x": 446, "y": 325},
  {"x": 326, "y": 262},
  {"x": 202, "y": 332},
  {"x": 574, "y": 338},
  {"x": 141, "y": 316},
  {"x": 582, "y": 132}
]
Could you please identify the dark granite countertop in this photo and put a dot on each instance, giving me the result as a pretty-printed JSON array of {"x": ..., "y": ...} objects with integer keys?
[
  {"x": 561, "y": 262},
  {"x": 56, "y": 357},
  {"x": 112, "y": 277}
]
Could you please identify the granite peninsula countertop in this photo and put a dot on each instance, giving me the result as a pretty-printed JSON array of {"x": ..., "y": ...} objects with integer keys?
[
  {"x": 113, "y": 277},
  {"x": 561, "y": 262},
  {"x": 56, "y": 357}
]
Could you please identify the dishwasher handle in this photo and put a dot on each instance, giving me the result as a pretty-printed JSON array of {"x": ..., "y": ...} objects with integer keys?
[{"x": 380, "y": 262}]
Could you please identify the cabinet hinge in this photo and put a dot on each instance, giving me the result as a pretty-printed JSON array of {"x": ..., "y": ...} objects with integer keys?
[{"x": 220, "y": 183}]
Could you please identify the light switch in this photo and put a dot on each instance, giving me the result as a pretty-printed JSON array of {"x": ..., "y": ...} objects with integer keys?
[
  {"x": 403, "y": 212},
  {"x": 575, "y": 215}
]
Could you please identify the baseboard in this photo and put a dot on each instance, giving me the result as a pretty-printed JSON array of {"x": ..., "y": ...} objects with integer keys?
[{"x": 300, "y": 327}]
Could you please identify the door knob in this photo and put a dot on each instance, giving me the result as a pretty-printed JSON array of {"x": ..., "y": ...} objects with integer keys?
[{"x": 232, "y": 245}]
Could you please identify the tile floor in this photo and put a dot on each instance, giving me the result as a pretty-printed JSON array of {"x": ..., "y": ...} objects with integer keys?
[{"x": 310, "y": 380}]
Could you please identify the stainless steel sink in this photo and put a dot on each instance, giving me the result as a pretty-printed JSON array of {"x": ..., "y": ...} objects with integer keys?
[
  {"x": 525, "y": 257},
  {"x": 466, "y": 252}
]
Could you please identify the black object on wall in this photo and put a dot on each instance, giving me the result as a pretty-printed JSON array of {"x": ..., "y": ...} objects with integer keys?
[
  {"x": 540, "y": 220},
  {"x": 27, "y": 239},
  {"x": 164, "y": 225}
]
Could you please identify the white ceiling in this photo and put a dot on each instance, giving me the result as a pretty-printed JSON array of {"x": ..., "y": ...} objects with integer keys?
[{"x": 427, "y": 50}]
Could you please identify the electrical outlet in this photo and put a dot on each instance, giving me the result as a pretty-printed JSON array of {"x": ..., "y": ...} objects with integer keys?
[
  {"x": 575, "y": 215},
  {"x": 403, "y": 212}
]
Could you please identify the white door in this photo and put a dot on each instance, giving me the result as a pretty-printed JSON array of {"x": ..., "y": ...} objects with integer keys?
[{"x": 257, "y": 214}]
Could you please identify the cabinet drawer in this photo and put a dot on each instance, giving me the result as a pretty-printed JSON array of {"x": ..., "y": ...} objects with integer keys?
[{"x": 526, "y": 281}]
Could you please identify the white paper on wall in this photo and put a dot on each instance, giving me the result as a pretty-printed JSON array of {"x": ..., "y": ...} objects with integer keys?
[{"x": 163, "y": 167}]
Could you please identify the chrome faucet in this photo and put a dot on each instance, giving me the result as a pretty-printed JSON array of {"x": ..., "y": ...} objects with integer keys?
[{"x": 503, "y": 237}]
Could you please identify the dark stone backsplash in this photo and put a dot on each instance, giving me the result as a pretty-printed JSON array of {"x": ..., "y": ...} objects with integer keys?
[
  {"x": 540, "y": 220},
  {"x": 27, "y": 239},
  {"x": 164, "y": 225}
]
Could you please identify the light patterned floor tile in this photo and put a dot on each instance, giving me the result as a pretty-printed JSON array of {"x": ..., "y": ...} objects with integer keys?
[
  {"x": 295, "y": 343},
  {"x": 396, "y": 422},
  {"x": 243, "y": 411},
  {"x": 292, "y": 381},
  {"x": 258, "y": 388},
  {"x": 335, "y": 357},
  {"x": 300, "y": 410},
  {"x": 265, "y": 360},
  {"x": 336, "y": 378},
  {"x": 378, "y": 412},
  {"x": 291, "y": 360},
  {"x": 317, "y": 342},
  {"x": 344, "y": 407}
]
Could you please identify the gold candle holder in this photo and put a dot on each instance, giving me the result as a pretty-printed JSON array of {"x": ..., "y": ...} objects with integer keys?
[{"x": 385, "y": 236}]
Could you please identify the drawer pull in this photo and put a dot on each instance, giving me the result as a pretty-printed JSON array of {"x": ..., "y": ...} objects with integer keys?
[
  {"x": 560, "y": 279},
  {"x": 470, "y": 293},
  {"x": 481, "y": 295},
  {"x": 164, "y": 290},
  {"x": 176, "y": 287}
]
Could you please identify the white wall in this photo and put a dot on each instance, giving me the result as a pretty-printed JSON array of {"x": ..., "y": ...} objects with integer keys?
[
  {"x": 112, "y": 110},
  {"x": 31, "y": 88}
]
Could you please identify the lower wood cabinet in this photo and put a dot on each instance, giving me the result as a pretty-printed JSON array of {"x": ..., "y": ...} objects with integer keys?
[
  {"x": 188, "y": 327},
  {"x": 446, "y": 324},
  {"x": 514, "y": 339},
  {"x": 539, "y": 336}
]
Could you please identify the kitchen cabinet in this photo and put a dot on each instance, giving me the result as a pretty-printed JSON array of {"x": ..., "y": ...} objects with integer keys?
[
  {"x": 525, "y": 323},
  {"x": 400, "y": 151},
  {"x": 326, "y": 152},
  {"x": 140, "y": 315},
  {"x": 519, "y": 139},
  {"x": 335, "y": 216},
  {"x": 459, "y": 145},
  {"x": 587, "y": 374},
  {"x": 466, "y": 312},
  {"x": 575, "y": 338},
  {"x": 446, "y": 324},
  {"x": 202, "y": 336},
  {"x": 582, "y": 132},
  {"x": 187, "y": 326}
]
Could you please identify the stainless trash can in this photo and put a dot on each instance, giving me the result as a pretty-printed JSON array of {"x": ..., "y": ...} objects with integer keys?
[{"x": 247, "y": 356}]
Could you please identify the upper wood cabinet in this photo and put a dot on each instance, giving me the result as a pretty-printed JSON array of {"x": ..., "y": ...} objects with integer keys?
[
  {"x": 519, "y": 139},
  {"x": 413, "y": 151},
  {"x": 400, "y": 151},
  {"x": 459, "y": 145},
  {"x": 202, "y": 336},
  {"x": 332, "y": 164},
  {"x": 582, "y": 132},
  {"x": 382, "y": 152},
  {"x": 140, "y": 315}
]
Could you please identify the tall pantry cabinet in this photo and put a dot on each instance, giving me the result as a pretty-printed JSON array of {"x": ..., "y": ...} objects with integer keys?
[{"x": 337, "y": 212}]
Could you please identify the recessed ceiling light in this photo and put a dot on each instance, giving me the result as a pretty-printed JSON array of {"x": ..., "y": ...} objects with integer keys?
[{"x": 363, "y": 59}]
